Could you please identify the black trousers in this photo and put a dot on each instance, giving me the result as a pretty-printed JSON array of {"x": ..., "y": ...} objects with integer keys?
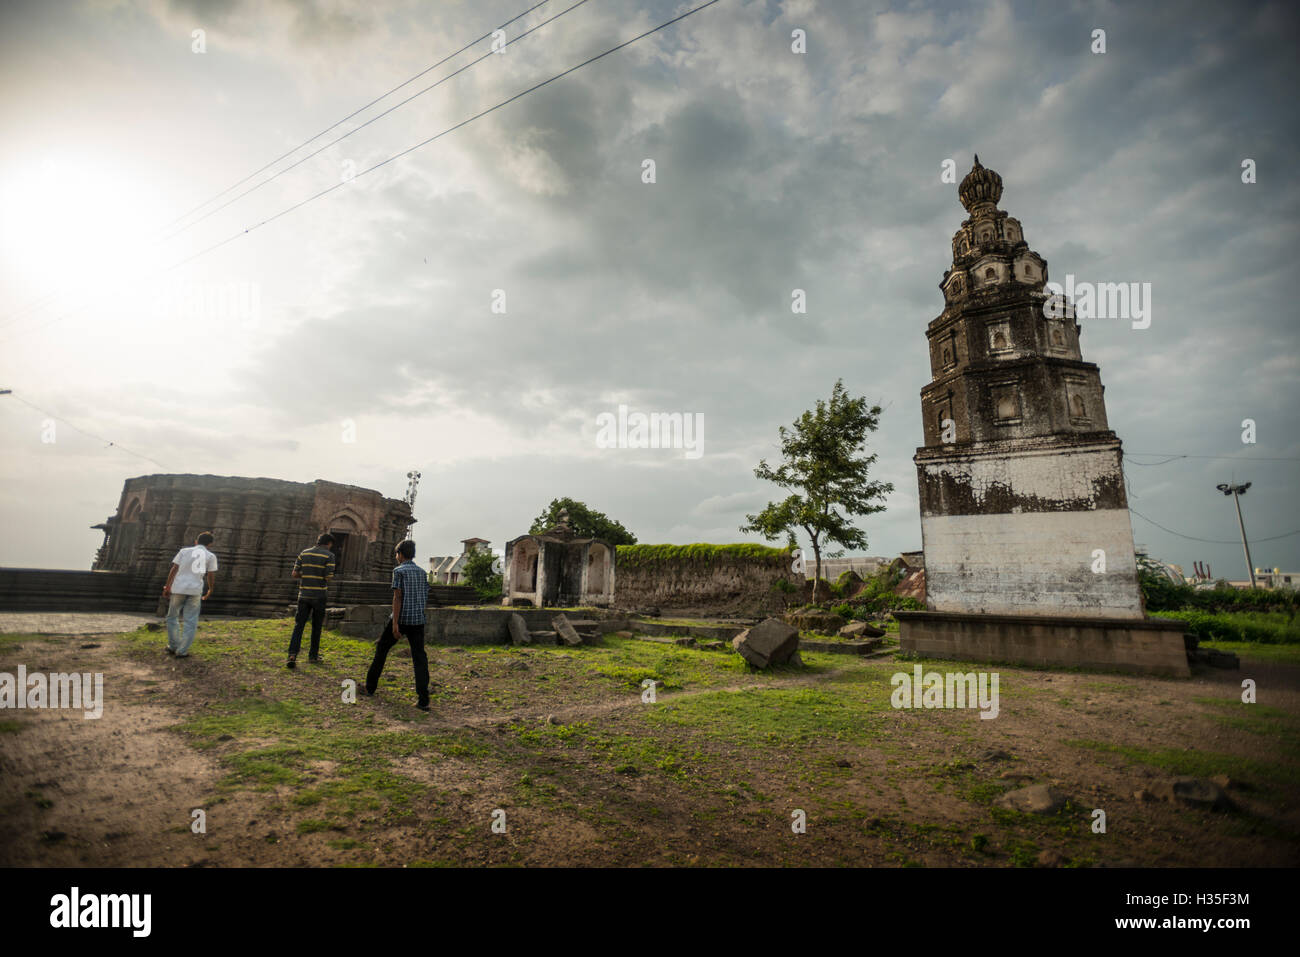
[
  {"x": 313, "y": 608},
  {"x": 414, "y": 635}
]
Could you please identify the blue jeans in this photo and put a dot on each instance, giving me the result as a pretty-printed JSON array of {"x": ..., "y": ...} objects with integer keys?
[{"x": 186, "y": 606}]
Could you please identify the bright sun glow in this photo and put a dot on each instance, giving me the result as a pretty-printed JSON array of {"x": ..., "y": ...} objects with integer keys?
[{"x": 76, "y": 228}]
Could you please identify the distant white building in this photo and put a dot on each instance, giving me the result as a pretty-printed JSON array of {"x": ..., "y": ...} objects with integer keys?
[
  {"x": 1276, "y": 578},
  {"x": 450, "y": 569}
]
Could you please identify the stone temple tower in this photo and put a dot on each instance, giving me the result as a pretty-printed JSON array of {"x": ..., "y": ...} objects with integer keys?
[
  {"x": 1020, "y": 476},
  {"x": 1024, "y": 518}
]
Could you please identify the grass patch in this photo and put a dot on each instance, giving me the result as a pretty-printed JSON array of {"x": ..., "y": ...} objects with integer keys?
[
  {"x": 1280, "y": 780},
  {"x": 1254, "y": 651},
  {"x": 1257, "y": 627}
]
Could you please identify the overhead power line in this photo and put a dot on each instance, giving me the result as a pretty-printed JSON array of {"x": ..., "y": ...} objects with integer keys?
[
  {"x": 37, "y": 304},
  {"x": 108, "y": 443},
  {"x": 362, "y": 109},
  {"x": 1209, "y": 541},
  {"x": 410, "y": 149},
  {"x": 357, "y": 129},
  {"x": 451, "y": 129},
  {"x": 1235, "y": 458}
]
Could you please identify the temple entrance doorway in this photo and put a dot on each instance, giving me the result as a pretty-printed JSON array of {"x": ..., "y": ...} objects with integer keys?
[{"x": 342, "y": 556}]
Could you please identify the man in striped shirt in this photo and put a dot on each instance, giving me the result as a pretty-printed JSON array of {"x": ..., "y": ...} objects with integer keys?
[
  {"x": 313, "y": 568},
  {"x": 410, "y": 595}
]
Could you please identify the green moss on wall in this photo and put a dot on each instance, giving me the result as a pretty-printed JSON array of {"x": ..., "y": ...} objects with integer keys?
[{"x": 640, "y": 556}]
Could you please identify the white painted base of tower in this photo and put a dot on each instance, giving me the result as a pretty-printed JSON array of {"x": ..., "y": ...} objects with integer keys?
[{"x": 1032, "y": 563}]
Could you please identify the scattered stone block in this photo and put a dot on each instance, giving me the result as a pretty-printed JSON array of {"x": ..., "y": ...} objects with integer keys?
[
  {"x": 1193, "y": 792},
  {"x": 568, "y": 634},
  {"x": 770, "y": 642},
  {"x": 713, "y": 645},
  {"x": 860, "y": 629},
  {"x": 685, "y": 641},
  {"x": 1035, "y": 799},
  {"x": 519, "y": 630},
  {"x": 810, "y": 619}
]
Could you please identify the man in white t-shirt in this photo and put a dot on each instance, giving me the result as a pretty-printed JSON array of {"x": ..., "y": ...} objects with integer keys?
[{"x": 188, "y": 583}]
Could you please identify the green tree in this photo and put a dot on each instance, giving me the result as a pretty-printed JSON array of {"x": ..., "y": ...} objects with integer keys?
[
  {"x": 828, "y": 482},
  {"x": 479, "y": 575},
  {"x": 587, "y": 522}
]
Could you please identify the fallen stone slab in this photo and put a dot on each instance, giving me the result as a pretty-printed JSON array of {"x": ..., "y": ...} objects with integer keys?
[
  {"x": 544, "y": 637},
  {"x": 770, "y": 642},
  {"x": 686, "y": 641},
  {"x": 519, "y": 630},
  {"x": 861, "y": 629},
  {"x": 841, "y": 647},
  {"x": 1035, "y": 799},
  {"x": 1193, "y": 792},
  {"x": 565, "y": 630}
]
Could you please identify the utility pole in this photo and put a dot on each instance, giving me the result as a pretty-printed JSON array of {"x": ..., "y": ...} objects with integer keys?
[
  {"x": 1236, "y": 491},
  {"x": 413, "y": 483}
]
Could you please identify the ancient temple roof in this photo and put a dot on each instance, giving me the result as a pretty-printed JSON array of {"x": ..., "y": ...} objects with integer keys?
[{"x": 980, "y": 186}]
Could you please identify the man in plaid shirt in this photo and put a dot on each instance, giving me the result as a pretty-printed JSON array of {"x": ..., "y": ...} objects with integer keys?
[{"x": 410, "y": 595}]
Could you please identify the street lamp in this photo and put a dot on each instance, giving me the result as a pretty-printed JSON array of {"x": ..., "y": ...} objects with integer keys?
[{"x": 1236, "y": 491}]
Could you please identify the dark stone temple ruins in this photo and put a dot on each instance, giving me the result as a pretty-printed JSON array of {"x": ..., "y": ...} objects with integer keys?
[
  {"x": 260, "y": 526},
  {"x": 1024, "y": 518}
]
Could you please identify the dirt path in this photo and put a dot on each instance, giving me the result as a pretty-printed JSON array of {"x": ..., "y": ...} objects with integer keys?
[
  {"x": 120, "y": 790},
  {"x": 77, "y": 791}
]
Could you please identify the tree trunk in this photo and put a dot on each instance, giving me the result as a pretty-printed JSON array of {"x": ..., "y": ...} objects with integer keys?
[{"x": 817, "y": 575}]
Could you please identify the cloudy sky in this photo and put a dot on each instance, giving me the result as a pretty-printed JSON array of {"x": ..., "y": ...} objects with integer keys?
[{"x": 774, "y": 171}]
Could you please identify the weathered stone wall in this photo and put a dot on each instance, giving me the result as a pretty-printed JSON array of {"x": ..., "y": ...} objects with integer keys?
[
  {"x": 1155, "y": 646},
  {"x": 1016, "y": 534},
  {"x": 721, "y": 584},
  {"x": 41, "y": 589}
]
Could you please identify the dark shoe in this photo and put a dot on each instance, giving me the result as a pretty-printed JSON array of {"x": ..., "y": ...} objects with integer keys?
[
  {"x": 292, "y": 662},
  {"x": 422, "y": 705},
  {"x": 171, "y": 650},
  {"x": 315, "y": 659},
  {"x": 368, "y": 692},
  {"x": 182, "y": 656}
]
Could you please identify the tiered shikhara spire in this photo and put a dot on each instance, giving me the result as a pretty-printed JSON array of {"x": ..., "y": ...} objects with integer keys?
[{"x": 1001, "y": 369}]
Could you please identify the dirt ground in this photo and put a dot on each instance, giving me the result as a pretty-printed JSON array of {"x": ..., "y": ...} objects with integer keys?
[{"x": 558, "y": 745}]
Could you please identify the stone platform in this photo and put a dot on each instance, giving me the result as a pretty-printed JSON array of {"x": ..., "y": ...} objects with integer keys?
[
  {"x": 1145, "y": 646},
  {"x": 470, "y": 626}
]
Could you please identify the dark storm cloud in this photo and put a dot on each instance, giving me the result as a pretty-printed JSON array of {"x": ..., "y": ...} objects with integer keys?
[{"x": 776, "y": 172}]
